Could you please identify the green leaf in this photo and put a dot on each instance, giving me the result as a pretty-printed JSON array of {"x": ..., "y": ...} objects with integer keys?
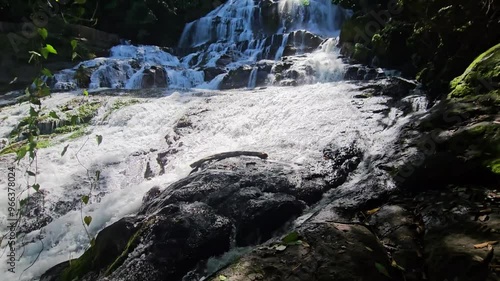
[
  {"x": 45, "y": 53},
  {"x": 30, "y": 173},
  {"x": 44, "y": 91},
  {"x": 292, "y": 237},
  {"x": 99, "y": 139},
  {"x": 21, "y": 152},
  {"x": 85, "y": 93},
  {"x": 33, "y": 112},
  {"x": 97, "y": 174},
  {"x": 85, "y": 199},
  {"x": 74, "y": 55},
  {"x": 64, "y": 150},
  {"x": 43, "y": 32},
  {"x": 382, "y": 269},
  {"x": 50, "y": 49},
  {"x": 87, "y": 220},
  {"x": 36, "y": 187},
  {"x": 222, "y": 278},
  {"x": 47, "y": 72},
  {"x": 81, "y": 2},
  {"x": 53, "y": 114},
  {"x": 74, "y": 43}
]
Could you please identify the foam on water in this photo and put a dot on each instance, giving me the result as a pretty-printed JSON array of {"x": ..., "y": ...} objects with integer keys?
[{"x": 290, "y": 124}]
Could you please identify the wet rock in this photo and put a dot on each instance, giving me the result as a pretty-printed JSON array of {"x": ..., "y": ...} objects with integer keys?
[
  {"x": 224, "y": 60},
  {"x": 82, "y": 77},
  {"x": 148, "y": 174},
  {"x": 154, "y": 77},
  {"x": 241, "y": 200},
  {"x": 320, "y": 251},
  {"x": 237, "y": 78},
  {"x": 211, "y": 72},
  {"x": 176, "y": 239}
]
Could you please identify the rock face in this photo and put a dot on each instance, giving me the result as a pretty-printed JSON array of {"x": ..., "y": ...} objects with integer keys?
[
  {"x": 240, "y": 77},
  {"x": 154, "y": 77},
  {"x": 317, "y": 251},
  {"x": 233, "y": 202}
]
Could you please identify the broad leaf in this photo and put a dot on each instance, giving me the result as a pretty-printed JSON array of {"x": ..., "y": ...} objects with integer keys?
[
  {"x": 43, "y": 32},
  {"x": 50, "y": 49},
  {"x": 21, "y": 152},
  {"x": 99, "y": 139},
  {"x": 36, "y": 187},
  {"x": 87, "y": 220},
  {"x": 74, "y": 43},
  {"x": 85, "y": 199},
  {"x": 47, "y": 72},
  {"x": 54, "y": 115}
]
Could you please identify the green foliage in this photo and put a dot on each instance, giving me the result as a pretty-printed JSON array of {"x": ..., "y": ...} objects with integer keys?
[{"x": 381, "y": 268}]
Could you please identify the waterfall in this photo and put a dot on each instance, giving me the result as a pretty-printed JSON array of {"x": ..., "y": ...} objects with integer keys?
[
  {"x": 235, "y": 34},
  {"x": 279, "y": 53},
  {"x": 253, "y": 78}
]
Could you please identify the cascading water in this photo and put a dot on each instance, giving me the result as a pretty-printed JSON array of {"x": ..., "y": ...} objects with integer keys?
[
  {"x": 236, "y": 34},
  {"x": 240, "y": 40}
]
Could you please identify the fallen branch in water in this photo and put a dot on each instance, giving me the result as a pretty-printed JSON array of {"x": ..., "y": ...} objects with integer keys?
[{"x": 220, "y": 156}]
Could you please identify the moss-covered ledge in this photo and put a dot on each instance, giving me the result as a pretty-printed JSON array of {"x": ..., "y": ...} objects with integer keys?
[
  {"x": 481, "y": 77},
  {"x": 108, "y": 251},
  {"x": 461, "y": 137}
]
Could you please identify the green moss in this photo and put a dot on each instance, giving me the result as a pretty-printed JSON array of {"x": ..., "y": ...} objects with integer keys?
[
  {"x": 43, "y": 142},
  {"x": 120, "y": 103},
  {"x": 132, "y": 243},
  {"x": 479, "y": 143},
  {"x": 361, "y": 53},
  {"x": 480, "y": 77},
  {"x": 494, "y": 166},
  {"x": 78, "y": 133},
  {"x": 67, "y": 129}
]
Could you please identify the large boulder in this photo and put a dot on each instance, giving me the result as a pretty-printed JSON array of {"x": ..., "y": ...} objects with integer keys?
[{"x": 237, "y": 201}]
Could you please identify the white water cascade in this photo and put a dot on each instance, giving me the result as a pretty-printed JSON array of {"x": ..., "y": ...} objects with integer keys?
[
  {"x": 238, "y": 45},
  {"x": 231, "y": 37}
]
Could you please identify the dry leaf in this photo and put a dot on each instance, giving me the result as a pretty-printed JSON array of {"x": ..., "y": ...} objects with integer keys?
[
  {"x": 485, "y": 211},
  {"x": 280, "y": 248},
  {"x": 485, "y": 244},
  {"x": 372, "y": 211},
  {"x": 483, "y": 218}
]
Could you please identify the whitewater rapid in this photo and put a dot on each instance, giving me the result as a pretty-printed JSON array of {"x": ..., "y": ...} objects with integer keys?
[{"x": 290, "y": 124}]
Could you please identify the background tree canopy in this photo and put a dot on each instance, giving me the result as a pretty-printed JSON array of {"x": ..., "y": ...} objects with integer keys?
[{"x": 158, "y": 22}]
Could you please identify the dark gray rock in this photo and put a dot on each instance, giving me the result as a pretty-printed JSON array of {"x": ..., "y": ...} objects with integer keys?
[
  {"x": 235, "y": 201},
  {"x": 154, "y": 77}
]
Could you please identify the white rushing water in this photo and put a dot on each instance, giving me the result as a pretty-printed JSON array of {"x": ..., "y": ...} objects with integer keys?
[
  {"x": 290, "y": 124},
  {"x": 236, "y": 34}
]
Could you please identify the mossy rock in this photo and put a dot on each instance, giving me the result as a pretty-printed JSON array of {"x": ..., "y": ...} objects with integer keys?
[
  {"x": 354, "y": 30},
  {"x": 482, "y": 76},
  {"x": 110, "y": 246},
  {"x": 361, "y": 53}
]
